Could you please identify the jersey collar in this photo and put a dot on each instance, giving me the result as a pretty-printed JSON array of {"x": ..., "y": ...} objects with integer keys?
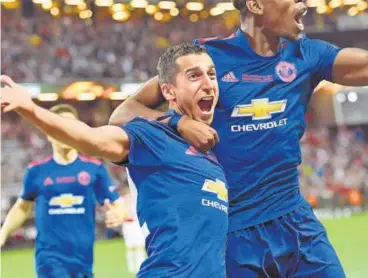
[{"x": 244, "y": 43}]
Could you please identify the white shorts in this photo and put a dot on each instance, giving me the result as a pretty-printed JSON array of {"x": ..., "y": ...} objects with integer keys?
[{"x": 133, "y": 234}]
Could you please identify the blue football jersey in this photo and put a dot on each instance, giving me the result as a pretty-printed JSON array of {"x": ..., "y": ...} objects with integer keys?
[
  {"x": 65, "y": 197},
  {"x": 260, "y": 118},
  {"x": 181, "y": 203}
]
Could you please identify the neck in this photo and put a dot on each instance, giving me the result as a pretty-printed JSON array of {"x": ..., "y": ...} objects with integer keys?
[
  {"x": 262, "y": 41},
  {"x": 65, "y": 157},
  {"x": 174, "y": 106}
]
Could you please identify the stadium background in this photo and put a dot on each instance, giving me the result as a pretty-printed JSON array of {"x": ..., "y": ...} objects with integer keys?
[{"x": 94, "y": 54}]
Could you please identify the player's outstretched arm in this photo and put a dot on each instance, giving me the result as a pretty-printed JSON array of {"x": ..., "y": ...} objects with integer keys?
[
  {"x": 15, "y": 218},
  {"x": 148, "y": 97},
  {"x": 141, "y": 104},
  {"x": 351, "y": 67},
  {"x": 109, "y": 142}
]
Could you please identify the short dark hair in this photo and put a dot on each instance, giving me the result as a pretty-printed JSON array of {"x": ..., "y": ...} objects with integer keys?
[
  {"x": 240, "y": 5},
  {"x": 64, "y": 108},
  {"x": 167, "y": 66}
]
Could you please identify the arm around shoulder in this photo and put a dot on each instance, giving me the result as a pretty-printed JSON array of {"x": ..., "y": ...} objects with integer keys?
[{"x": 143, "y": 103}]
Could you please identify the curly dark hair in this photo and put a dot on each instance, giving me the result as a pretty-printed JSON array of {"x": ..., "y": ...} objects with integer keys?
[{"x": 240, "y": 5}]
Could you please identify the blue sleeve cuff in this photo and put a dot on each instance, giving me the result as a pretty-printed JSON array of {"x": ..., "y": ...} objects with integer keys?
[{"x": 174, "y": 120}]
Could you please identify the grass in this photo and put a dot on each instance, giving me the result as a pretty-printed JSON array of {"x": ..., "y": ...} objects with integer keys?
[
  {"x": 348, "y": 235},
  {"x": 109, "y": 261}
]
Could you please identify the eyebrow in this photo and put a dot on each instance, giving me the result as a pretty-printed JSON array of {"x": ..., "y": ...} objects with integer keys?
[{"x": 211, "y": 67}]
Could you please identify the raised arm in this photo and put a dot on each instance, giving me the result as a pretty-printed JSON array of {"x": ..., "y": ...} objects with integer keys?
[
  {"x": 351, "y": 67},
  {"x": 141, "y": 104},
  {"x": 109, "y": 142}
]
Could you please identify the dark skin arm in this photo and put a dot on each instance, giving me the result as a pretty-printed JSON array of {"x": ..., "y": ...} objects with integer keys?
[
  {"x": 141, "y": 104},
  {"x": 351, "y": 67}
]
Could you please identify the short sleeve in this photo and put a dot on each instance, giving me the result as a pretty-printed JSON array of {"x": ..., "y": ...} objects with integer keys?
[
  {"x": 103, "y": 187},
  {"x": 30, "y": 186},
  {"x": 147, "y": 143},
  {"x": 321, "y": 55}
]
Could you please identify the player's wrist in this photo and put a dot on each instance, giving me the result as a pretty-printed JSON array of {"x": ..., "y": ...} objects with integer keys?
[
  {"x": 171, "y": 118},
  {"x": 27, "y": 108},
  {"x": 182, "y": 122},
  {"x": 174, "y": 119}
]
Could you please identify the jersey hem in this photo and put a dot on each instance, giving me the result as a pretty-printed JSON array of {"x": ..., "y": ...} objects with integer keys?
[{"x": 238, "y": 227}]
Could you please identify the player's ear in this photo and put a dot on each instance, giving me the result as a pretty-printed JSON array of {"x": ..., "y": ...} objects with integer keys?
[
  {"x": 254, "y": 6},
  {"x": 168, "y": 92}
]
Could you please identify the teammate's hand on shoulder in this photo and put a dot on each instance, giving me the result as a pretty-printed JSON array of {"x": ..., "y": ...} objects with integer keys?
[
  {"x": 14, "y": 97},
  {"x": 114, "y": 214},
  {"x": 199, "y": 135}
]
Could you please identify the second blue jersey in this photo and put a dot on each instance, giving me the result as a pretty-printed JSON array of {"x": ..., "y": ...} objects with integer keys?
[
  {"x": 260, "y": 119},
  {"x": 181, "y": 203},
  {"x": 66, "y": 197}
]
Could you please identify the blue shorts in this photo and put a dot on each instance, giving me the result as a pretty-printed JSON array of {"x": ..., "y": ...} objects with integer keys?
[
  {"x": 57, "y": 270},
  {"x": 294, "y": 245}
]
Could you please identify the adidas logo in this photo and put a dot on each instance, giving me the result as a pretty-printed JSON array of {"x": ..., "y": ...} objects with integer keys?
[
  {"x": 48, "y": 181},
  {"x": 230, "y": 77}
]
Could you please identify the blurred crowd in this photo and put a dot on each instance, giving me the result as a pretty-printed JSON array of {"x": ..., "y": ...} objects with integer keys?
[
  {"x": 46, "y": 49},
  {"x": 334, "y": 160}
]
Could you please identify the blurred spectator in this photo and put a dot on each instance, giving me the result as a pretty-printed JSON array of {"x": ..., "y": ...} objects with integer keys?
[{"x": 334, "y": 160}]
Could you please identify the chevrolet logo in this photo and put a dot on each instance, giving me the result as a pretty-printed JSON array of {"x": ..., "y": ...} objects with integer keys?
[
  {"x": 217, "y": 187},
  {"x": 66, "y": 200},
  {"x": 260, "y": 109}
]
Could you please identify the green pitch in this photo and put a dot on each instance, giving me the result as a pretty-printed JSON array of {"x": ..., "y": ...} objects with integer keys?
[
  {"x": 109, "y": 261},
  {"x": 349, "y": 236}
]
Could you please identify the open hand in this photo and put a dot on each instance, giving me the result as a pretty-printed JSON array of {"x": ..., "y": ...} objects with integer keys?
[
  {"x": 114, "y": 214},
  {"x": 14, "y": 97}
]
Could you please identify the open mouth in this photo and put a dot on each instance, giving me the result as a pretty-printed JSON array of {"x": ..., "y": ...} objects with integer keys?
[
  {"x": 205, "y": 104},
  {"x": 299, "y": 18}
]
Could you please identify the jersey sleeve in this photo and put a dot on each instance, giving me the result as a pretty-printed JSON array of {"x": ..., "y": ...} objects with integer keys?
[
  {"x": 30, "y": 186},
  {"x": 104, "y": 187},
  {"x": 147, "y": 144},
  {"x": 321, "y": 55}
]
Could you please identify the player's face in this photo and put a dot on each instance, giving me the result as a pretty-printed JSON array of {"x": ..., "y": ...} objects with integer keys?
[
  {"x": 55, "y": 143},
  {"x": 284, "y": 17},
  {"x": 196, "y": 88}
]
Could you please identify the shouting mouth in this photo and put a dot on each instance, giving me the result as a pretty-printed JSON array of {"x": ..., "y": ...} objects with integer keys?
[
  {"x": 205, "y": 104},
  {"x": 299, "y": 18}
]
